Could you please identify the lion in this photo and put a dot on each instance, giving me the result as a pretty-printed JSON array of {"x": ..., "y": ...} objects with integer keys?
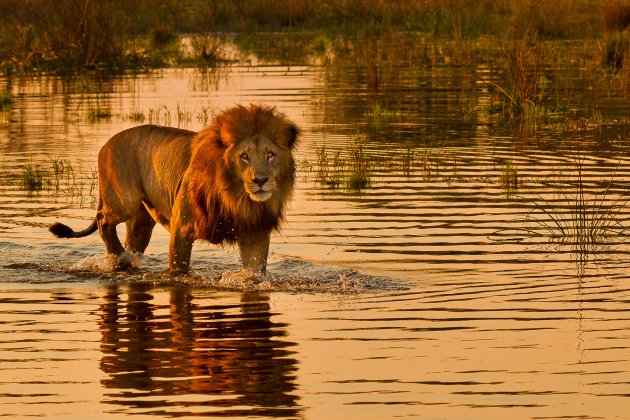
[{"x": 228, "y": 184}]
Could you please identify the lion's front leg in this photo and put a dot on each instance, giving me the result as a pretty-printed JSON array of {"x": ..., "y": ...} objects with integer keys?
[
  {"x": 254, "y": 248},
  {"x": 179, "y": 252}
]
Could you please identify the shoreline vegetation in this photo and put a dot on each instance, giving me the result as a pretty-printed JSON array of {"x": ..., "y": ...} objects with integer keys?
[
  {"x": 72, "y": 36},
  {"x": 508, "y": 58}
]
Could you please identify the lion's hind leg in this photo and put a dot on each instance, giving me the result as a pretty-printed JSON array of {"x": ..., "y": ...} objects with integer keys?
[
  {"x": 139, "y": 230},
  {"x": 107, "y": 229}
]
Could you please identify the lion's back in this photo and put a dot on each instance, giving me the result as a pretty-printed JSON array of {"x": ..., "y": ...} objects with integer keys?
[{"x": 145, "y": 162}]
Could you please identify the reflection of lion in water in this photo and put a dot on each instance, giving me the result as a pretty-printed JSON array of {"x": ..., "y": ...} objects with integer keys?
[{"x": 229, "y": 183}]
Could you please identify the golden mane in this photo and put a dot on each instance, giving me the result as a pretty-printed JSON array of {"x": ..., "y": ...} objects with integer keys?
[{"x": 222, "y": 208}]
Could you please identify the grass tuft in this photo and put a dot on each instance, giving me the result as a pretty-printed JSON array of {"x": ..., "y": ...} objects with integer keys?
[
  {"x": 6, "y": 99},
  {"x": 576, "y": 215},
  {"x": 97, "y": 113},
  {"x": 31, "y": 178},
  {"x": 508, "y": 179}
]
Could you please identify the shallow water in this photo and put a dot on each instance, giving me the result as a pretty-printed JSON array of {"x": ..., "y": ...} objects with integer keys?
[{"x": 434, "y": 292}]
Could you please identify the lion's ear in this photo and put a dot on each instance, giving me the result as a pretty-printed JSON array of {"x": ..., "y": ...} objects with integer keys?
[
  {"x": 294, "y": 133},
  {"x": 225, "y": 135}
]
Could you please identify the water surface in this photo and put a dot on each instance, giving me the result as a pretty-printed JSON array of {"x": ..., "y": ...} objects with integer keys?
[{"x": 432, "y": 292}]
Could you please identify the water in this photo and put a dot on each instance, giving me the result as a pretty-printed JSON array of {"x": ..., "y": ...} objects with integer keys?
[{"x": 433, "y": 292}]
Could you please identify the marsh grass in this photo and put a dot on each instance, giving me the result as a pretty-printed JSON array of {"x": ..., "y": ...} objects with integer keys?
[
  {"x": 508, "y": 178},
  {"x": 526, "y": 93},
  {"x": 407, "y": 160},
  {"x": 329, "y": 167},
  {"x": 6, "y": 100},
  {"x": 205, "y": 49},
  {"x": 378, "y": 111},
  {"x": 135, "y": 116},
  {"x": 159, "y": 115},
  {"x": 31, "y": 178},
  {"x": 359, "y": 165},
  {"x": 60, "y": 180},
  {"x": 81, "y": 35},
  {"x": 351, "y": 168},
  {"x": 576, "y": 214},
  {"x": 183, "y": 115},
  {"x": 98, "y": 113},
  {"x": 614, "y": 50}
]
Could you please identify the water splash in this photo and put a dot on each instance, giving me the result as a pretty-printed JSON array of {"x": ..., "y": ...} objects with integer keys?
[
  {"x": 300, "y": 276},
  {"x": 106, "y": 263}
]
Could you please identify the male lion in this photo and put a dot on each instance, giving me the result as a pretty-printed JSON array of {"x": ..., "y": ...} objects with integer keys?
[{"x": 226, "y": 184}]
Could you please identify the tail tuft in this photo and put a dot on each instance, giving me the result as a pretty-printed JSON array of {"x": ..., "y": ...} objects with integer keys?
[{"x": 61, "y": 231}]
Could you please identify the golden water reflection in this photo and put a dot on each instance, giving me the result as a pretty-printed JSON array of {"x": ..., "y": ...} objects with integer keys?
[{"x": 185, "y": 357}]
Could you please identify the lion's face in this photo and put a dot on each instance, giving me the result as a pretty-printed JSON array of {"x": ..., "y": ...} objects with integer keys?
[{"x": 259, "y": 161}]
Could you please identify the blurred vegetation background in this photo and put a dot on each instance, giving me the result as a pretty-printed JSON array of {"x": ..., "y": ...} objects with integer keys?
[{"x": 72, "y": 35}]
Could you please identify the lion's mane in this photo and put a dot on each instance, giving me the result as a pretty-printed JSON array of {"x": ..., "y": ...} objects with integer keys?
[{"x": 221, "y": 207}]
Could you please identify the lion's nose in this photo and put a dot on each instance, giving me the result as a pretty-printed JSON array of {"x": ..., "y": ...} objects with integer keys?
[{"x": 261, "y": 181}]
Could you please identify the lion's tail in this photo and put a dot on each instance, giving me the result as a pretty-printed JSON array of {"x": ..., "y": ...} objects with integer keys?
[{"x": 64, "y": 231}]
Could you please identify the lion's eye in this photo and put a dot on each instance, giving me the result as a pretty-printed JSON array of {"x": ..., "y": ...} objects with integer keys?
[
  {"x": 244, "y": 157},
  {"x": 270, "y": 155}
]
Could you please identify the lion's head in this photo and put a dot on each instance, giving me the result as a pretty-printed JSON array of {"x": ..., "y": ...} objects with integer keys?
[{"x": 247, "y": 153}]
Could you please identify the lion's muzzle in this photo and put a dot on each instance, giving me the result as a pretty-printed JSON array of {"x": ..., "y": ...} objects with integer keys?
[{"x": 260, "y": 189}]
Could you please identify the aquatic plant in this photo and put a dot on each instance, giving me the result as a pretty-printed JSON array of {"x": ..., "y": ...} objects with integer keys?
[
  {"x": 31, "y": 178},
  {"x": 329, "y": 168},
  {"x": 6, "y": 99},
  {"x": 136, "y": 116},
  {"x": 379, "y": 111},
  {"x": 614, "y": 52},
  {"x": 183, "y": 115},
  {"x": 98, "y": 113},
  {"x": 407, "y": 160},
  {"x": 159, "y": 115},
  {"x": 205, "y": 49},
  {"x": 205, "y": 115},
  {"x": 526, "y": 94},
  {"x": 359, "y": 176},
  {"x": 577, "y": 215},
  {"x": 508, "y": 178}
]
